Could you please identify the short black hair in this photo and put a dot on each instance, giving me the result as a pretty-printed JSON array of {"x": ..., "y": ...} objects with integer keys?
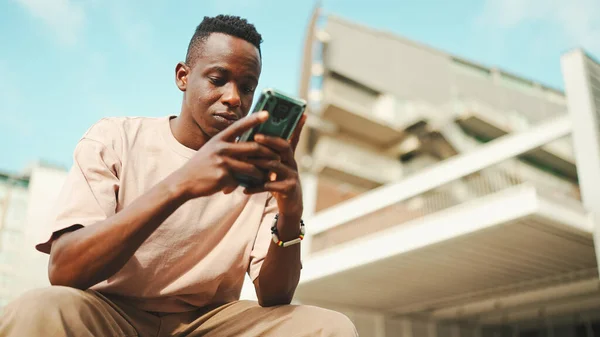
[{"x": 226, "y": 24}]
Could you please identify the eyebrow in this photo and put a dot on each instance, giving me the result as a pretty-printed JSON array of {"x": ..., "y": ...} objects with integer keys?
[
  {"x": 220, "y": 69},
  {"x": 227, "y": 71}
]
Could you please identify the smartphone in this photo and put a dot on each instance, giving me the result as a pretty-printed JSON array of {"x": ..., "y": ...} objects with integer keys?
[{"x": 284, "y": 113}]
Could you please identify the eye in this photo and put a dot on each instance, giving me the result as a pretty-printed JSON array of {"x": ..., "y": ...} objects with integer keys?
[
  {"x": 218, "y": 81},
  {"x": 248, "y": 89}
]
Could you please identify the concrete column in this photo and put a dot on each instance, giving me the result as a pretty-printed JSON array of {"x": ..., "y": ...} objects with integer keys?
[
  {"x": 399, "y": 327},
  {"x": 406, "y": 328},
  {"x": 309, "y": 192},
  {"x": 477, "y": 331},
  {"x": 582, "y": 85},
  {"x": 455, "y": 330},
  {"x": 309, "y": 195},
  {"x": 431, "y": 329},
  {"x": 379, "y": 326}
]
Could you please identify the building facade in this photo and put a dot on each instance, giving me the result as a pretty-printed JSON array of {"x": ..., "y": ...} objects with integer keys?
[
  {"x": 13, "y": 214},
  {"x": 26, "y": 203},
  {"x": 395, "y": 107},
  {"x": 443, "y": 197}
]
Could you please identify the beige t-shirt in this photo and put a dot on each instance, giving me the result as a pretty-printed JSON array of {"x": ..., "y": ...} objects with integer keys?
[{"x": 200, "y": 254}]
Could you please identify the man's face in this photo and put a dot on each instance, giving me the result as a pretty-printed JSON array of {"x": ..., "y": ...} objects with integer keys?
[{"x": 220, "y": 87}]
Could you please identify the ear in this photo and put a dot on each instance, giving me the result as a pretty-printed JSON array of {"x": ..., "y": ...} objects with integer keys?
[{"x": 181, "y": 75}]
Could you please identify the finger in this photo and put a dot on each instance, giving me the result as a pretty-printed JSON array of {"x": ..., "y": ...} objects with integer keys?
[
  {"x": 283, "y": 187},
  {"x": 230, "y": 188},
  {"x": 239, "y": 127},
  {"x": 244, "y": 168},
  {"x": 248, "y": 149},
  {"x": 254, "y": 190},
  {"x": 279, "y": 145},
  {"x": 281, "y": 170},
  {"x": 296, "y": 135}
]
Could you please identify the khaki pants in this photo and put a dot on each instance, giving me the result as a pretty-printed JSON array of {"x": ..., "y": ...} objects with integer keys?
[{"x": 62, "y": 311}]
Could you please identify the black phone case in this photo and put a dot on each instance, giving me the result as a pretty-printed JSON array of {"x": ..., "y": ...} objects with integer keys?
[{"x": 284, "y": 114}]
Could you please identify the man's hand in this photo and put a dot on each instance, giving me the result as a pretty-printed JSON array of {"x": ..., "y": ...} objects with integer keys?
[
  {"x": 284, "y": 181},
  {"x": 89, "y": 255},
  {"x": 212, "y": 167},
  {"x": 280, "y": 272}
]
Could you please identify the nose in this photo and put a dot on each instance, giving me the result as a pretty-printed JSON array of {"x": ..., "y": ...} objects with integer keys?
[{"x": 231, "y": 96}]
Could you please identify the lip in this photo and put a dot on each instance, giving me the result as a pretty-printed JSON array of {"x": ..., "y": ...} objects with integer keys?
[{"x": 230, "y": 116}]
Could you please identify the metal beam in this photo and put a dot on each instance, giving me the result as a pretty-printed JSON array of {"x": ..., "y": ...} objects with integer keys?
[
  {"x": 449, "y": 170},
  {"x": 582, "y": 82}
]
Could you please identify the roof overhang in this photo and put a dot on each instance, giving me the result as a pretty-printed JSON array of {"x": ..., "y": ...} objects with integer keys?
[{"x": 505, "y": 243}]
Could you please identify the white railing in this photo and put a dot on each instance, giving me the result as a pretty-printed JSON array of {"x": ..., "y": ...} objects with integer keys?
[
  {"x": 480, "y": 184},
  {"x": 452, "y": 169},
  {"x": 511, "y": 121}
]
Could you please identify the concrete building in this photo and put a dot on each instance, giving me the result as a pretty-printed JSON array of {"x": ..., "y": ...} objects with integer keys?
[
  {"x": 26, "y": 203},
  {"x": 13, "y": 213},
  {"x": 444, "y": 197}
]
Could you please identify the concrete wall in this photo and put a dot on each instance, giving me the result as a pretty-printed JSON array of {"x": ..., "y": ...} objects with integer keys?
[
  {"x": 23, "y": 213},
  {"x": 380, "y": 62},
  {"x": 44, "y": 187},
  {"x": 13, "y": 209},
  {"x": 390, "y": 64}
]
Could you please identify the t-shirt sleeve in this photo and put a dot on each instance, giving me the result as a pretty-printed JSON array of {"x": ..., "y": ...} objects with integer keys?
[
  {"x": 263, "y": 238},
  {"x": 89, "y": 193}
]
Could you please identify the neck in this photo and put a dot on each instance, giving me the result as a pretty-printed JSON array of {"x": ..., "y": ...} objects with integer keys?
[{"x": 188, "y": 132}]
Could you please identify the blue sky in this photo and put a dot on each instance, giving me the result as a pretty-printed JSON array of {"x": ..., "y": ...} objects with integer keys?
[{"x": 64, "y": 64}]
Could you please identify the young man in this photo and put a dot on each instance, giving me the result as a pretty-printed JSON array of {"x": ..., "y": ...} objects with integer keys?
[{"x": 153, "y": 235}]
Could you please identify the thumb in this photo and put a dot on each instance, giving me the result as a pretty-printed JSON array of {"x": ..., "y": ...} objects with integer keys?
[{"x": 229, "y": 189}]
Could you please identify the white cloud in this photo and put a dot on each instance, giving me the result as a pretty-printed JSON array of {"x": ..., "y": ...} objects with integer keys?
[
  {"x": 578, "y": 21},
  {"x": 65, "y": 17}
]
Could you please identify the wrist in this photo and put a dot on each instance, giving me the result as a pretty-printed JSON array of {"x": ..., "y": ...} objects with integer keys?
[
  {"x": 288, "y": 226},
  {"x": 176, "y": 189},
  {"x": 291, "y": 213}
]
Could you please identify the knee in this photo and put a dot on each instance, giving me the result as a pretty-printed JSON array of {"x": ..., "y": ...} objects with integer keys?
[
  {"x": 43, "y": 302},
  {"x": 329, "y": 322}
]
